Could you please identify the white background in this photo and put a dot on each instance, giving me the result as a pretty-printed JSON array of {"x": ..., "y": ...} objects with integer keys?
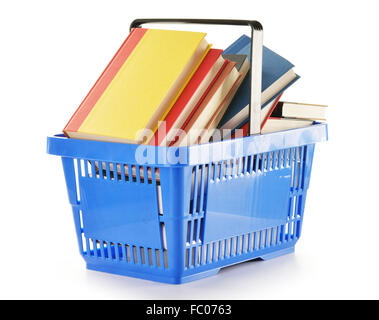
[{"x": 51, "y": 54}]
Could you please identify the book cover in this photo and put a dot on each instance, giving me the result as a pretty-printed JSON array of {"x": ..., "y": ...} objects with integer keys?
[
  {"x": 274, "y": 68},
  {"x": 139, "y": 86}
]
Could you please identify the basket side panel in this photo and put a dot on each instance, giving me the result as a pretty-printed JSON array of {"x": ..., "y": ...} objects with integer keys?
[
  {"x": 212, "y": 244},
  {"x": 119, "y": 203},
  {"x": 70, "y": 178},
  {"x": 247, "y": 200},
  {"x": 173, "y": 211},
  {"x": 308, "y": 165},
  {"x": 70, "y": 174},
  {"x": 123, "y": 212},
  {"x": 299, "y": 192}
]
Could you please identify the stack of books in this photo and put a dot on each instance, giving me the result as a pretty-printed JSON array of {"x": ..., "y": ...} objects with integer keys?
[{"x": 170, "y": 88}]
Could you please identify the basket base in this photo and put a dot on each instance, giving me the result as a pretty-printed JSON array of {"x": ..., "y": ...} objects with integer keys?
[
  {"x": 277, "y": 253},
  {"x": 105, "y": 266},
  {"x": 152, "y": 277}
]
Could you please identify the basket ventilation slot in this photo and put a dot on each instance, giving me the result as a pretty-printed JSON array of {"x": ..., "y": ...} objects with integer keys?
[
  {"x": 116, "y": 171},
  {"x": 199, "y": 186},
  {"x": 109, "y": 250}
]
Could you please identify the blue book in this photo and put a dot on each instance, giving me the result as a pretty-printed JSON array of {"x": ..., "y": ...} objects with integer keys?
[{"x": 277, "y": 76}]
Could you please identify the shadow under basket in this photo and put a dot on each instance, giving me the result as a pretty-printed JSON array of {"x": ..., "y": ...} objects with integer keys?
[{"x": 219, "y": 203}]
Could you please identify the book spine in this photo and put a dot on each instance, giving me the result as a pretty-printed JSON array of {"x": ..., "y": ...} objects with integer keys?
[{"x": 273, "y": 110}]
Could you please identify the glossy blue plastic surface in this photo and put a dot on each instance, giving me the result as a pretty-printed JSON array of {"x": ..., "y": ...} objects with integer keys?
[{"x": 222, "y": 203}]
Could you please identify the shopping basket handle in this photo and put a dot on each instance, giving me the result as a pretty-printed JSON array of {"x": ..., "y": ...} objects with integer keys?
[{"x": 256, "y": 60}]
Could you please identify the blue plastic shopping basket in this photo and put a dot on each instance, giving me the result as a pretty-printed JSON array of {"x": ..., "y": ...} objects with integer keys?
[{"x": 222, "y": 203}]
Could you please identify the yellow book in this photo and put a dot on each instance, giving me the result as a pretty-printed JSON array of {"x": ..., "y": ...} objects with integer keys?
[{"x": 139, "y": 86}]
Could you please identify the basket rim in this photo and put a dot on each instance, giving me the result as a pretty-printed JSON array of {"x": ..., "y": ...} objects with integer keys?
[{"x": 206, "y": 153}]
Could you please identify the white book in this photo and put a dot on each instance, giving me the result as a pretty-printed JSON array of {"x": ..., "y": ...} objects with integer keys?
[
  {"x": 300, "y": 111},
  {"x": 281, "y": 124}
]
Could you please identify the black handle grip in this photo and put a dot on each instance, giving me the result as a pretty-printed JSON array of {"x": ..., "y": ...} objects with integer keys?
[
  {"x": 257, "y": 26},
  {"x": 256, "y": 59}
]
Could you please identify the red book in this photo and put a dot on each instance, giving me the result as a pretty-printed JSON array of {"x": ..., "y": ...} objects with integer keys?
[
  {"x": 191, "y": 97},
  {"x": 270, "y": 111}
]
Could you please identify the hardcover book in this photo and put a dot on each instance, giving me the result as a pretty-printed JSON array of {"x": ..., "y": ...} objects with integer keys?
[
  {"x": 300, "y": 111},
  {"x": 277, "y": 75},
  {"x": 139, "y": 86}
]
